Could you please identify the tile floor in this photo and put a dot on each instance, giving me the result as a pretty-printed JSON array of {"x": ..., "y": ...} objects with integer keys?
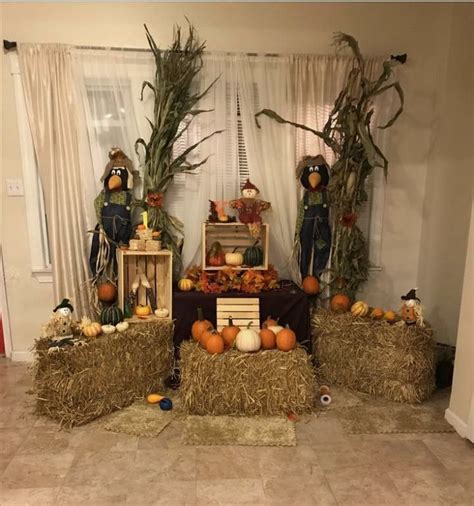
[{"x": 40, "y": 465}]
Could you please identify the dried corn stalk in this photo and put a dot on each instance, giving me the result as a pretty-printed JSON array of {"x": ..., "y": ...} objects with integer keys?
[{"x": 348, "y": 132}]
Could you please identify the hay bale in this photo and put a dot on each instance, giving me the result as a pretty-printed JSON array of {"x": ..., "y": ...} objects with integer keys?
[
  {"x": 234, "y": 383},
  {"x": 80, "y": 384},
  {"x": 394, "y": 361}
]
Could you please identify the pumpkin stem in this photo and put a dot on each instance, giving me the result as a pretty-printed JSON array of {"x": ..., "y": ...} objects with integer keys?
[
  {"x": 200, "y": 314},
  {"x": 249, "y": 324},
  {"x": 231, "y": 323},
  {"x": 235, "y": 249},
  {"x": 255, "y": 243}
]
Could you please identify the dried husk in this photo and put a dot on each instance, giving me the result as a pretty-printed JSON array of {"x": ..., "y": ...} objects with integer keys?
[
  {"x": 233, "y": 383},
  {"x": 80, "y": 384},
  {"x": 373, "y": 356}
]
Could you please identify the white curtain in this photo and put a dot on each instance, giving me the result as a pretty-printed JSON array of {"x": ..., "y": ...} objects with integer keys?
[
  {"x": 50, "y": 98},
  {"x": 301, "y": 88},
  {"x": 264, "y": 82}
]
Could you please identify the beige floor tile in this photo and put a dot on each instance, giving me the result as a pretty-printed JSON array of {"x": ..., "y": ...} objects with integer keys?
[
  {"x": 88, "y": 439},
  {"x": 166, "y": 464},
  {"x": 338, "y": 455},
  {"x": 400, "y": 454},
  {"x": 41, "y": 440},
  {"x": 297, "y": 461},
  {"x": 169, "y": 438},
  {"x": 40, "y": 470},
  {"x": 429, "y": 486},
  {"x": 362, "y": 485},
  {"x": 91, "y": 496},
  {"x": 166, "y": 492},
  {"x": 319, "y": 430},
  {"x": 450, "y": 449},
  {"x": 15, "y": 414},
  {"x": 101, "y": 468},
  {"x": 211, "y": 492},
  {"x": 228, "y": 462},
  {"x": 299, "y": 490},
  {"x": 11, "y": 439},
  {"x": 28, "y": 496},
  {"x": 4, "y": 461}
]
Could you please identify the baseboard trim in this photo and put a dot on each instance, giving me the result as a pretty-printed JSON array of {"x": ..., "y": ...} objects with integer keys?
[
  {"x": 459, "y": 425},
  {"x": 22, "y": 356}
]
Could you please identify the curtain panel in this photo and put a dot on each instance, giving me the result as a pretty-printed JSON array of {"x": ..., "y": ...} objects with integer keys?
[{"x": 51, "y": 105}]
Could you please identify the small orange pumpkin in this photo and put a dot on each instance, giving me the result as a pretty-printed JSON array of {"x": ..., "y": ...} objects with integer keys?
[
  {"x": 340, "y": 303},
  {"x": 142, "y": 310},
  {"x": 206, "y": 335},
  {"x": 311, "y": 285},
  {"x": 200, "y": 325},
  {"x": 269, "y": 322},
  {"x": 390, "y": 316},
  {"x": 229, "y": 333},
  {"x": 268, "y": 339},
  {"x": 377, "y": 313},
  {"x": 286, "y": 339},
  {"x": 215, "y": 344},
  {"x": 107, "y": 292}
]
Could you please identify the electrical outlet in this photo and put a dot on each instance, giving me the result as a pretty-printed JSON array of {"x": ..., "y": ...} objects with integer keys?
[{"x": 15, "y": 188}]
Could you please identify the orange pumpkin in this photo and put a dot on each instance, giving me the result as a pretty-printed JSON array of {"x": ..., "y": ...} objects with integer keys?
[
  {"x": 268, "y": 339},
  {"x": 206, "y": 335},
  {"x": 229, "y": 333},
  {"x": 340, "y": 303},
  {"x": 377, "y": 313},
  {"x": 269, "y": 322},
  {"x": 311, "y": 285},
  {"x": 390, "y": 316},
  {"x": 215, "y": 344},
  {"x": 200, "y": 325},
  {"x": 286, "y": 339},
  {"x": 107, "y": 292},
  {"x": 142, "y": 310}
]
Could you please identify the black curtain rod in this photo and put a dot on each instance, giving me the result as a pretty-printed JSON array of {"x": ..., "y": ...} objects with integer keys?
[{"x": 12, "y": 46}]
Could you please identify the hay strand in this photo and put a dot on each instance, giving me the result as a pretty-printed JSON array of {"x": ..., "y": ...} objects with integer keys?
[
  {"x": 263, "y": 383},
  {"x": 373, "y": 356}
]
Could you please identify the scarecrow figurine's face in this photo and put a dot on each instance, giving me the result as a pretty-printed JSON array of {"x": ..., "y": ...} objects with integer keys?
[
  {"x": 64, "y": 311},
  {"x": 314, "y": 176},
  {"x": 249, "y": 193},
  {"x": 117, "y": 179}
]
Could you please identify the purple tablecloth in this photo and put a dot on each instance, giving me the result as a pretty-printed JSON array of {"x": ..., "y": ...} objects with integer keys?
[{"x": 289, "y": 303}]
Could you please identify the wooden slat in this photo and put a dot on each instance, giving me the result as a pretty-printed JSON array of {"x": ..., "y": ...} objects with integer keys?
[
  {"x": 225, "y": 301},
  {"x": 222, "y": 313}
]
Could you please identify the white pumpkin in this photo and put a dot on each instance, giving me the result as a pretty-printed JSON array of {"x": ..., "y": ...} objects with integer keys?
[
  {"x": 122, "y": 326},
  {"x": 234, "y": 259},
  {"x": 275, "y": 328},
  {"x": 108, "y": 329},
  {"x": 248, "y": 340},
  {"x": 161, "y": 312}
]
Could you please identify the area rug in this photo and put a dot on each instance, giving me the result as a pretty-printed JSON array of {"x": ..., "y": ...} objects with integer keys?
[
  {"x": 139, "y": 419},
  {"x": 239, "y": 431},
  {"x": 385, "y": 417}
]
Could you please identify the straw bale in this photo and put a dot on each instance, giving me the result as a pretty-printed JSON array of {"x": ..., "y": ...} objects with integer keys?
[
  {"x": 373, "y": 356},
  {"x": 79, "y": 384},
  {"x": 267, "y": 382}
]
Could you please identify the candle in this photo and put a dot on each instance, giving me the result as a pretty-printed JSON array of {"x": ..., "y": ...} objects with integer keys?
[{"x": 145, "y": 219}]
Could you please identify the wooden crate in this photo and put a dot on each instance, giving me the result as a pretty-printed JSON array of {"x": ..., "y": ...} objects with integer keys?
[
  {"x": 231, "y": 236},
  {"x": 157, "y": 266},
  {"x": 243, "y": 310}
]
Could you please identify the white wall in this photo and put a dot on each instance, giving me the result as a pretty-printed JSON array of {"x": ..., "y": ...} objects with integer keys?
[{"x": 421, "y": 30}]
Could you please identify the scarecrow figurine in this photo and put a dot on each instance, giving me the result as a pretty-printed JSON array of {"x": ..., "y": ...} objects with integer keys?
[
  {"x": 62, "y": 329},
  {"x": 313, "y": 232},
  {"x": 412, "y": 310},
  {"x": 250, "y": 208},
  {"x": 112, "y": 206}
]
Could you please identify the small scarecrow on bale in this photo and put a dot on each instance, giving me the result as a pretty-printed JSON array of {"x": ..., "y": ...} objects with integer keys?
[
  {"x": 112, "y": 206},
  {"x": 313, "y": 232},
  {"x": 250, "y": 208},
  {"x": 412, "y": 310},
  {"x": 62, "y": 330}
]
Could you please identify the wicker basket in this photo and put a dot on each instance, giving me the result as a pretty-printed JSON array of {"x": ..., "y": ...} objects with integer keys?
[{"x": 153, "y": 246}]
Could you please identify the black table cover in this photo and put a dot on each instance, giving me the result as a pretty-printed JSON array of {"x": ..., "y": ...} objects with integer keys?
[{"x": 289, "y": 303}]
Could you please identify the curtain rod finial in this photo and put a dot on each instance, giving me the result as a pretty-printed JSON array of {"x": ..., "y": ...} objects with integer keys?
[{"x": 9, "y": 45}]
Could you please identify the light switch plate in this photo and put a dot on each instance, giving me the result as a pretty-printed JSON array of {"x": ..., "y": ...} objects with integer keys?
[{"x": 15, "y": 188}]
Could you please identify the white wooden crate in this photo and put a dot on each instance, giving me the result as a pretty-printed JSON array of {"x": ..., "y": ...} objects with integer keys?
[
  {"x": 157, "y": 266},
  {"x": 243, "y": 310},
  {"x": 231, "y": 236}
]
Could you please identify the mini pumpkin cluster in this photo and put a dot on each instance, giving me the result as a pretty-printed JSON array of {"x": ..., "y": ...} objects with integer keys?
[
  {"x": 247, "y": 340},
  {"x": 361, "y": 309}
]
